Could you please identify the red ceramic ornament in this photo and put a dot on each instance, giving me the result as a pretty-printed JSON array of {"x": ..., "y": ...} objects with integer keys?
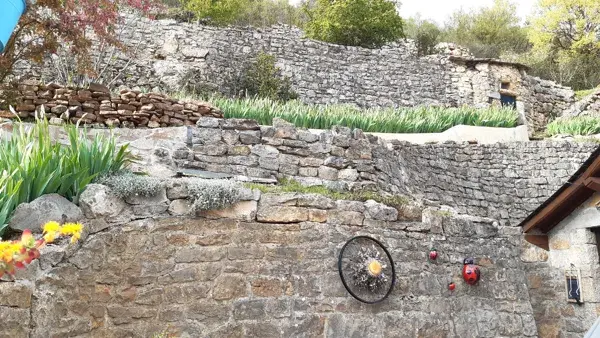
[
  {"x": 471, "y": 272},
  {"x": 451, "y": 286},
  {"x": 433, "y": 254}
]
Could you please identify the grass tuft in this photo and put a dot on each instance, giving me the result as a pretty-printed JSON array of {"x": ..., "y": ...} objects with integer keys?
[
  {"x": 580, "y": 125},
  {"x": 291, "y": 185},
  {"x": 381, "y": 120}
]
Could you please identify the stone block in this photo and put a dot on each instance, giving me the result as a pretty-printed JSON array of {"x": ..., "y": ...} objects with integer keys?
[
  {"x": 15, "y": 295},
  {"x": 267, "y": 287},
  {"x": 378, "y": 211},
  {"x": 265, "y": 151},
  {"x": 250, "y": 137},
  {"x": 97, "y": 201},
  {"x": 228, "y": 287},
  {"x": 239, "y": 151},
  {"x": 240, "y": 124},
  {"x": 206, "y": 136},
  {"x": 317, "y": 215},
  {"x": 315, "y": 201},
  {"x": 43, "y": 209},
  {"x": 214, "y": 149},
  {"x": 345, "y": 217},
  {"x": 328, "y": 173},
  {"x": 208, "y": 122},
  {"x": 244, "y": 211},
  {"x": 308, "y": 172},
  {"x": 248, "y": 309},
  {"x": 281, "y": 214},
  {"x": 180, "y": 207},
  {"x": 348, "y": 175},
  {"x": 230, "y": 137}
]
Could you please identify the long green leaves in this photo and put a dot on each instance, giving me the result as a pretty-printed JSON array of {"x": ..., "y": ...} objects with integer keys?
[
  {"x": 401, "y": 120},
  {"x": 581, "y": 125},
  {"x": 33, "y": 165}
]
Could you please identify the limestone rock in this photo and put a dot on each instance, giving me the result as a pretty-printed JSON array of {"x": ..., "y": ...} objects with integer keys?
[
  {"x": 379, "y": 211},
  {"x": 43, "y": 209},
  {"x": 97, "y": 201}
]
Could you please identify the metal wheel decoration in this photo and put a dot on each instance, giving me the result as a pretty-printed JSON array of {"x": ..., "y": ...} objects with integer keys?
[{"x": 366, "y": 269}]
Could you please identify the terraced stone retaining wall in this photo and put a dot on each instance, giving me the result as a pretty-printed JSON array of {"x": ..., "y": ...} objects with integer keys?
[{"x": 266, "y": 267}]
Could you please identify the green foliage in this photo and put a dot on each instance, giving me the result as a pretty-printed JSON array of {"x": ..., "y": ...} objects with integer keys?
[
  {"x": 213, "y": 194},
  {"x": 489, "y": 31},
  {"x": 263, "y": 79},
  {"x": 566, "y": 42},
  {"x": 387, "y": 120},
  {"x": 125, "y": 184},
  {"x": 258, "y": 13},
  {"x": 38, "y": 166},
  {"x": 365, "y": 23},
  {"x": 580, "y": 94},
  {"x": 291, "y": 185},
  {"x": 581, "y": 125},
  {"x": 426, "y": 34}
]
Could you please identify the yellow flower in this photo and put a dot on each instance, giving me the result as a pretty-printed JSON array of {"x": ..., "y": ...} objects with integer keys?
[
  {"x": 49, "y": 237},
  {"x": 75, "y": 237},
  {"x": 71, "y": 229},
  {"x": 51, "y": 227}
]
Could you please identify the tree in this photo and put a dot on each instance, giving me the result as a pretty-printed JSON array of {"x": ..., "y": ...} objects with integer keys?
[
  {"x": 426, "y": 34},
  {"x": 48, "y": 25},
  {"x": 257, "y": 13},
  {"x": 489, "y": 32},
  {"x": 566, "y": 40},
  {"x": 365, "y": 23}
]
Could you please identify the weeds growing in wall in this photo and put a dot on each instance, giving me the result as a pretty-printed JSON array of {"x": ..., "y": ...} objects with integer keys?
[{"x": 400, "y": 120}]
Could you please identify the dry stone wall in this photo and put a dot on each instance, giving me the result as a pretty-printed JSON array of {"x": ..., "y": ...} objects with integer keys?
[
  {"x": 588, "y": 106},
  {"x": 500, "y": 181},
  {"x": 96, "y": 105},
  {"x": 266, "y": 267},
  {"x": 169, "y": 55}
]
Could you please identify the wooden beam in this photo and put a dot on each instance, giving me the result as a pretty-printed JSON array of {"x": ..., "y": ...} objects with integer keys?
[
  {"x": 592, "y": 183},
  {"x": 538, "y": 240},
  {"x": 567, "y": 201}
]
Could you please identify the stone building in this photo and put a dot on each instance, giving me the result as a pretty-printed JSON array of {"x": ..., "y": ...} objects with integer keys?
[{"x": 567, "y": 227}]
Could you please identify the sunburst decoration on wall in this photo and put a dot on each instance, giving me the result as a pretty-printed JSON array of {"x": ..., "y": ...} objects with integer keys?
[{"x": 366, "y": 269}]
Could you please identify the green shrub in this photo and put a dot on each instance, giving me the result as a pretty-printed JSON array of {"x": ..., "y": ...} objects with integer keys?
[
  {"x": 213, "y": 194},
  {"x": 257, "y": 13},
  {"x": 387, "y": 120},
  {"x": 581, "y": 94},
  {"x": 365, "y": 23},
  {"x": 127, "y": 184},
  {"x": 33, "y": 165},
  {"x": 263, "y": 79},
  {"x": 581, "y": 125}
]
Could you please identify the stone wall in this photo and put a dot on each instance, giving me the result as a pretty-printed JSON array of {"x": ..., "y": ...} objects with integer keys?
[
  {"x": 588, "y": 106},
  {"x": 548, "y": 100},
  {"x": 264, "y": 268},
  {"x": 170, "y": 55},
  {"x": 500, "y": 181},
  {"x": 97, "y": 106}
]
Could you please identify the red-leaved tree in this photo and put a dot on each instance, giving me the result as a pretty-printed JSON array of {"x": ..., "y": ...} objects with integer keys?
[{"x": 48, "y": 25}]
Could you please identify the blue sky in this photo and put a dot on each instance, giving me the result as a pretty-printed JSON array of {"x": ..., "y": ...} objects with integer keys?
[{"x": 439, "y": 10}]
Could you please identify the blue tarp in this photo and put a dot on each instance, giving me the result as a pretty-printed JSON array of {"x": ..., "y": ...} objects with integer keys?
[{"x": 10, "y": 12}]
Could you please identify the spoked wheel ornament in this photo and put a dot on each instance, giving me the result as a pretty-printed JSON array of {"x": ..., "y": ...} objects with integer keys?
[{"x": 367, "y": 269}]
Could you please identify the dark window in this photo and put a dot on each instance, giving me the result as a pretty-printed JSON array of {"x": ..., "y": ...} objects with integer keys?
[
  {"x": 505, "y": 85},
  {"x": 508, "y": 101},
  {"x": 574, "y": 292}
]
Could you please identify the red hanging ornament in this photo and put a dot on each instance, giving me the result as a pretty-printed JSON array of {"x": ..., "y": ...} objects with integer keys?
[
  {"x": 471, "y": 272},
  {"x": 451, "y": 286},
  {"x": 433, "y": 254}
]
